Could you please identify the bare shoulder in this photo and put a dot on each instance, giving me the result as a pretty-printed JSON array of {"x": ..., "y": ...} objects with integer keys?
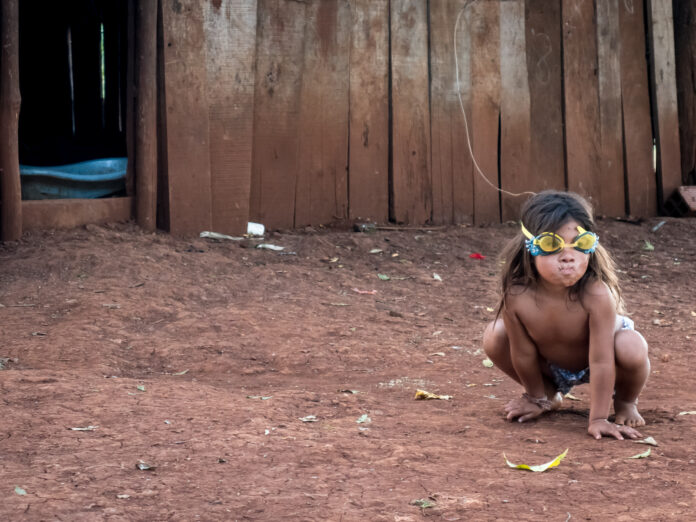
[
  {"x": 517, "y": 297},
  {"x": 598, "y": 298}
]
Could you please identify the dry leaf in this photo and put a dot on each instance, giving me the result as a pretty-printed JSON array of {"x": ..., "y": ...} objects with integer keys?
[
  {"x": 647, "y": 440},
  {"x": 643, "y": 455},
  {"x": 539, "y": 468},
  {"x": 422, "y": 395}
]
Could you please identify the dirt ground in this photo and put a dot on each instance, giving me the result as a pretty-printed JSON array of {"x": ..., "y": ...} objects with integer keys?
[{"x": 199, "y": 359}]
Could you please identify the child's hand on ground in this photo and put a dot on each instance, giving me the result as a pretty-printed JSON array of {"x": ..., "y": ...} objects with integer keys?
[
  {"x": 598, "y": 428},
  {"x": 522, "y": 409}
]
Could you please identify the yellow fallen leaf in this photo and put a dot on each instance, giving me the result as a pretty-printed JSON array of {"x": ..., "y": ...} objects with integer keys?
[
  {"x": 489, "y": 309},
  {"x": 643, "y": 455},
  {"x": 693, "y": 313},
  {"x": 422, "y": 395},
  {"x": 687, "y": 413},
  {"x": 487, "y": 363},
  {"x": 541, "y": 467},
  {"x": 571, "y": 397},
  {"x": 647, "y": 440}
]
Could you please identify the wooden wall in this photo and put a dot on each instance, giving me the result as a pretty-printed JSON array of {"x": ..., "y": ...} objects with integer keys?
[{"x": 304, "y": 113}]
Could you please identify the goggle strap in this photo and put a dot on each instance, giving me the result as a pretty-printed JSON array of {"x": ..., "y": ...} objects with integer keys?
[{"x": 526, "y": 232}]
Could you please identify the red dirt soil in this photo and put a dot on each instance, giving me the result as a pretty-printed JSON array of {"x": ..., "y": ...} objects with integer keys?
[{"x": 199, "y": 358}]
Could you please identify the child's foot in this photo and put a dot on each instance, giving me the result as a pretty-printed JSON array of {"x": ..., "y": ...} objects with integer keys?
[
  {"x": 555, "y": 396},
  {"x": 523, "y": 410},
  {"x": 557, "y": 401},
  {"x": 627, "y": 413}
]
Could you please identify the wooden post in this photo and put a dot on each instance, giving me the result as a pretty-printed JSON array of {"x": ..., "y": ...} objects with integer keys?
[
  {"x": 146, "y": 114},
  {"x": 664, "y": 88},
  {"x": 411, "y": 180},
  {"x": 685, "y": 61},
  {"x": 230, "y": 29},
  {"x": 187, "y": 117},
  {"x": 10, "y": 100}
]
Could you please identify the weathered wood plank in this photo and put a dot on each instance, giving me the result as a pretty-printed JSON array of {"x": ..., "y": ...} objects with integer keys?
[
  {"x": 515, "y": 110},
  {"x": 230, "y": 28},
  {"x": 10, "y": 100},
  {"x": 685, "y": 60},
  {"x": 145, "y": 153},
  {"x": 188, "y": 154},
  {"x": 368, "y": 181},
  {"x": 322, "y": 181},
  {"x": 611, "y": 197},
  {"x": 484, "y": 26},
  {"x": 162, "y": 159},
  {"x": 547, "y": 162},
  {"x": 665, "y": 97},
  {"x": 279, "y": 58},
  {"x": 581, "y": 99},
  {"x": 411, "y": 181},
  {"x": 452, "y": 168},
  {"x": 70, "y": 213},
  {"x": 130, "y": 90},
  {"x": 637, "y": 125}
]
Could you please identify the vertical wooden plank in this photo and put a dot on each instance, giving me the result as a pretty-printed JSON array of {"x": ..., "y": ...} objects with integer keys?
[
  {"x": 411, "y": 185},
  {"x": 452, "y": 168},
  {"x": 10, "y": 101},
  {"x": 230, "y": 29},
  {"x": 187, "y": 117},
  {"x": 321, "y": 195},
  {"x": 279, "y": 58},
  {"x": 146, "y": 117},
  {"x": 666, "y": 114},
  {"x": 685, "y": 64},
  {"x": 581, "y": 99},
  {"x": 130, "y": 89},
  {"x": 543, "y": 32},
  {"x": 515, "y": 107},
  {"x": 368, "y": 181},
  {"x": 637, "y": 125},
  {"x": 611, "y": 199},
  {"x": 162, "y": 159},
  {"x": 485, "y": 107}
]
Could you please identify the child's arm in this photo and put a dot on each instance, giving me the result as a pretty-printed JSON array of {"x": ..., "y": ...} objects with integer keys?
[
  {"x": 602, "y": 310},
  {"x": 524, "y": 354}
]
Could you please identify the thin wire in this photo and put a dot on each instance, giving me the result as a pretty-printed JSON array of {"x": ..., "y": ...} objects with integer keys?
[{"x": 461, "y": 105}]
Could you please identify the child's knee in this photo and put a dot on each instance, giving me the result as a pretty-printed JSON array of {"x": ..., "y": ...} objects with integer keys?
[
  {"x": 631, "y": 349},
  {"x": 494, "y": 338}
]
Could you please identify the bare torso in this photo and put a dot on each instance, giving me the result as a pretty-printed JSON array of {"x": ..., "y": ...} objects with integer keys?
[{"x": 558, "y": 326}]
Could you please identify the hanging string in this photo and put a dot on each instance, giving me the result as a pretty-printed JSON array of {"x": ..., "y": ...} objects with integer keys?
[{"x": 461, "y": 105}]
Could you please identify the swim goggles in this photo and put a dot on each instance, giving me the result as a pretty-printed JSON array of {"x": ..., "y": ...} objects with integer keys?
[{"x": 548, "y": 243}]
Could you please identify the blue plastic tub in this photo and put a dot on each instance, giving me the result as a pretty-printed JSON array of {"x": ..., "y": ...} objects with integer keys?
[{"x": 87, "y": 179}]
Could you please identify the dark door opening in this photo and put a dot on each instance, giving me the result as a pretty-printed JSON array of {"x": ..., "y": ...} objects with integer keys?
[{"x": 72, "y": 73}]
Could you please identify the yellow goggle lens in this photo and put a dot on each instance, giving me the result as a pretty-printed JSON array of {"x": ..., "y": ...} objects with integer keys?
[
  {"x": 549, "y": 242},
  {"x": 585, "y": 241}
]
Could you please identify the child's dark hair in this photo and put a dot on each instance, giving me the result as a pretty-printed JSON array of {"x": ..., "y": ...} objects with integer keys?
[{"x": 547, "y": 212}]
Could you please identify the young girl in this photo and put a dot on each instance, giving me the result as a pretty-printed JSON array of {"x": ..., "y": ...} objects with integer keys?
[{"x": 560, "y": 324}]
